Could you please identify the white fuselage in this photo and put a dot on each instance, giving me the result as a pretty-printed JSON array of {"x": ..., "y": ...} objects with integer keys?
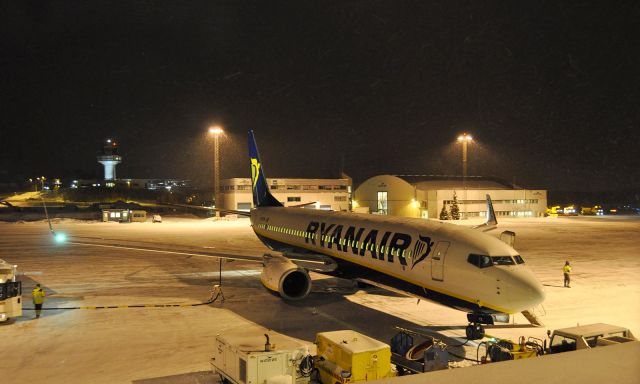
[{"x": 427, "y": 258}]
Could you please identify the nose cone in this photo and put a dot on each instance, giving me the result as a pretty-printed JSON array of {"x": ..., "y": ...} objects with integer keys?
[{"x": 524, "y": 289}]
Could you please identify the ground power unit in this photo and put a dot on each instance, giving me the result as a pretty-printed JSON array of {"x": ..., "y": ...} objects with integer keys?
[
  {"x": 348, "y": 356},
  {"x": 252, "y": 358}
]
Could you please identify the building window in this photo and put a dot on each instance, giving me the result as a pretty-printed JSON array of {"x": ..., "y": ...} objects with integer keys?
[
  {"x": 339, "y": 198},
  {"x": 246, "y": 207},
  {"x": 324, "y": 187},
  {"x": 293, "y": 198},
  {"x": 382, "y": 202}
]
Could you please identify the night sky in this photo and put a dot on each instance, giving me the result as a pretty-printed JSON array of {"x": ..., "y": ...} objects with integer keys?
[{"x": 550, "y": 90}]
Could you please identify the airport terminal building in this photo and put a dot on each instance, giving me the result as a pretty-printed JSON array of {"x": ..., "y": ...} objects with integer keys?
[
  {"x": 327, "y": 194},
  {"x": 424, "y": 196}
]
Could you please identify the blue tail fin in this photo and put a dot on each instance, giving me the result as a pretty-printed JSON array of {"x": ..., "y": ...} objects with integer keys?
[{"x": 261, "y": 195}]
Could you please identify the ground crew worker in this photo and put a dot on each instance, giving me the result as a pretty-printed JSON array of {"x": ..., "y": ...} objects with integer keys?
[
  {"x": 567, "y": 274},
  {"x": 38, "y": 298}
]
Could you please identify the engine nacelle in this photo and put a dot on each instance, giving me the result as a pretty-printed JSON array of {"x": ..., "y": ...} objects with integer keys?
[{"x": 285, "y": 277}]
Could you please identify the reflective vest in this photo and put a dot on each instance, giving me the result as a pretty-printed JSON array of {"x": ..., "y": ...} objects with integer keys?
[
  {"x": 566, "y": 269},
  {"x": 38, "y": 295}
]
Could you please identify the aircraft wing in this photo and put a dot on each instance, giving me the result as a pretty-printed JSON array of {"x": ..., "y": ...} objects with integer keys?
[
  {"x": 312, "y": 262},
  {"x": 302, "y": 205},
  {"x": 184, "y": 250},
  {"x": 199, "y": 208}
]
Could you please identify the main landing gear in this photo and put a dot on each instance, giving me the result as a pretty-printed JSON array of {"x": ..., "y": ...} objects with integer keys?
[{"x": 475, "y": 330}]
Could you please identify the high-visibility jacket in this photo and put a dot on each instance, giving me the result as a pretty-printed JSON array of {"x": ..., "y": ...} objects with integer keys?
[
  {"x": 566, "y": 269},
  {"x": 38, "y": 295}
]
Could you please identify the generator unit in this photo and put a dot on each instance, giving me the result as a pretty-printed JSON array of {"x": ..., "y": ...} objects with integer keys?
[
  {"x": 252, "y": 358},
  {"x": 503, "y": 349},
  {"x": 348, "y": 356}
]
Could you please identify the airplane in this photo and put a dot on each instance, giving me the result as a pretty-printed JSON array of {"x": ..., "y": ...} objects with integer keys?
[{"x": 460, "y": 267}]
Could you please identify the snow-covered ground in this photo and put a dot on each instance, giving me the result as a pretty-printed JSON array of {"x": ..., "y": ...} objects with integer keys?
[{"x": 120, "y": 345}]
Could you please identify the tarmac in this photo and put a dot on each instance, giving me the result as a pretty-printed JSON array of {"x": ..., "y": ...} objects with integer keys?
[{"x": 168, "y": 338}]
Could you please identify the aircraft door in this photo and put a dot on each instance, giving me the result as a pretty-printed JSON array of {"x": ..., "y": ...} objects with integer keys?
[{"x": 437, "y": 260}]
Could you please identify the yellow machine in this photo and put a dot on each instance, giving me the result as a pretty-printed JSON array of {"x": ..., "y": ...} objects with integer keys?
[
  {"x": 503, "y": 349},
  {"x": 553, "y": 211},
  {"x": 348, "y": 356},
  {"x": 10, "y": 292},
  {"x": 595, "y": 210}
]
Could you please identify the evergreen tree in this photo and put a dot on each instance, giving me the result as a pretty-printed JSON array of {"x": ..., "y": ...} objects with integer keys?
[
  {"x": 455, "y": 211},
  {"x": 444, "y": 215}
]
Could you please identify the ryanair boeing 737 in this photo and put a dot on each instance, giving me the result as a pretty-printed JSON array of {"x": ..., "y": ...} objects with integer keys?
[{"x": 457, "y": 266}]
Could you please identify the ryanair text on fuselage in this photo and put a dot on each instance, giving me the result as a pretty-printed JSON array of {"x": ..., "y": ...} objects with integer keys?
[{"x": 392, "y": 245}]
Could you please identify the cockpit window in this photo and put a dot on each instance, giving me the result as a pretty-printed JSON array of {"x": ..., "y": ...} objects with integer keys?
[
  {"x": 519, "y": 259},
  {"x": 480, "y": 261},
  {"x": 502, "y": 260}
]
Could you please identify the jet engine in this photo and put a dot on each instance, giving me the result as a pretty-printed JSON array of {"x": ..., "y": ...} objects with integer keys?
[{"x": 285, "y": 277}]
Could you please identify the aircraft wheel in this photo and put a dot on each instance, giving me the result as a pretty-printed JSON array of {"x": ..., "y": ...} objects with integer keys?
[{"x": 474, "y": 331}]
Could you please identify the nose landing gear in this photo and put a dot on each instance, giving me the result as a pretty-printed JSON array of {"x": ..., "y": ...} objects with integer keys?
[{"x": 475, "y": 330}]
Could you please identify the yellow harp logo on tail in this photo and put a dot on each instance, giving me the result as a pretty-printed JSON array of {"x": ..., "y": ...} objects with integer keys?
[{"x": 255, "y": 172}]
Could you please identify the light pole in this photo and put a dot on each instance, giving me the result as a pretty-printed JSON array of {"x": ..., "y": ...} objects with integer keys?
[
  {"x": 464, "y": 139},
  {"x": 216, "y": 131}
]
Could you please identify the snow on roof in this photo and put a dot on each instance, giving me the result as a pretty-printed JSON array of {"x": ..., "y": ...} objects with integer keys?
[
  {"x": 252, "y": 339},
  {"x": 353, "y": 341},
  {"x": 615, "y": 363},
  {"x": 456, "y": 182},
  {"x": 592, "y": 329}
]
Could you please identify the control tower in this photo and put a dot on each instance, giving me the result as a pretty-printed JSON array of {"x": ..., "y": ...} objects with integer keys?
[{"x": 109, "y": 158}]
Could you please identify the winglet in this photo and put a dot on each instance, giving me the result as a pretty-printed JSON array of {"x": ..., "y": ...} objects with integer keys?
[
  {"x": 491, "y": 215},
  {"x": 491, "y": 222},
  {"x": 261, "y": 195}
]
